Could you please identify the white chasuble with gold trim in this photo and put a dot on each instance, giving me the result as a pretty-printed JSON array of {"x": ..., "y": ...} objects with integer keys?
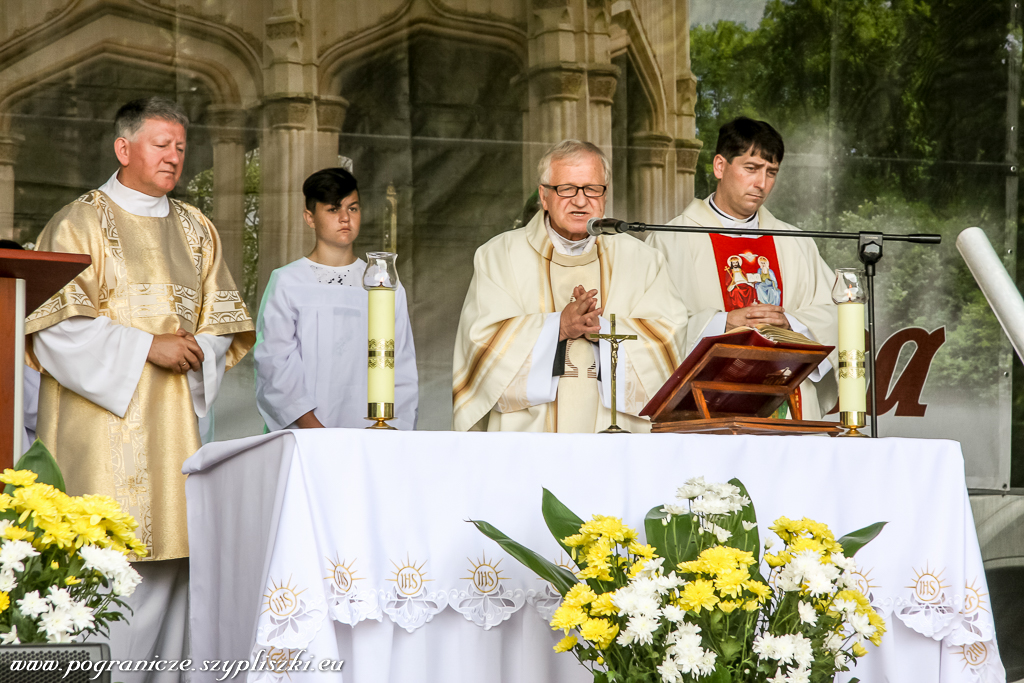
[
  {"x": 157, "y": 275},
  {"x": 518, "y": 281},
  {"x": 691, "y": 261}
]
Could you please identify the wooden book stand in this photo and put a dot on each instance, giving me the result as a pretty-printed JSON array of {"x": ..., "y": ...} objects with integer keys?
[{"x": 734, "y": 383}]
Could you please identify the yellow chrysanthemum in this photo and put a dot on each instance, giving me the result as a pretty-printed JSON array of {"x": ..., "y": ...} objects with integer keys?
[
  {"x": 600, "y": 632},
  {"x": 858, "y": 650},
  {"x": 697, "y": 595},
  {"x": 18, "y": 477},
  {"x": 761, "y": 590},
  {"x": 6, "y": 502},
  {"x": 17, "y": 533},
  {"x": 645, "y": 551},
  {"x": 751, "y": 605},
  {"x": 566, "y": 644},
  {"x": 729, "y": 606},
  {"x": 597, "y": 570},
  {"x": 567, "y": 618},
  {"x": 5, "y": 601},
  {"x": 730, "y": 582},
  {"x": 579, "y": 595},
  {"x": 72, "y": 580},
  {"x": 603, "y": 607}
]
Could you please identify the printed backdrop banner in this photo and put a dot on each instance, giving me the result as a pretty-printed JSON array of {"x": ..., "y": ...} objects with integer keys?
[{"x": 354, "y": 545}]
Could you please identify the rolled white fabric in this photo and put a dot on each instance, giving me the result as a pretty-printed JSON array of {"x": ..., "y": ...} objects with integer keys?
[{"x": 995, "y": 283}]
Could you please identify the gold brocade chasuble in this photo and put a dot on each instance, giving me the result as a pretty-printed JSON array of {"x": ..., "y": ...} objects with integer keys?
[
  {"x": 157, "y": 275},
  {"x": 518, "y": 280}
]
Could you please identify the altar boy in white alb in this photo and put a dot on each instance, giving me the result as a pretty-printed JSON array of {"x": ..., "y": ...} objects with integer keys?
[
  {"x": 729, "y": 281},
  {"x": 311, "y": 342}
]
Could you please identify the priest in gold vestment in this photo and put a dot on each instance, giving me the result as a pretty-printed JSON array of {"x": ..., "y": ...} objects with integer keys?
[
  {"x": 523, "y": 361},
  {"x": 133, "y": 350}
]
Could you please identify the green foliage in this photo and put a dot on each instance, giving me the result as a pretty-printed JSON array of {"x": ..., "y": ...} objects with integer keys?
[
  {"x": 562, "y": 579},
  {"x": 38, "y": 459},
  {"x": 855, "y": 540}
]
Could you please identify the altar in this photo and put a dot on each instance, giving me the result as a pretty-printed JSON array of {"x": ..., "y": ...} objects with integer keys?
[{"x": 322, "y": 546}]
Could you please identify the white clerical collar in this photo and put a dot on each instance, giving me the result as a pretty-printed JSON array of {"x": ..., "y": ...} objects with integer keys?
[
  {"x": 135, "y": 202},
  {"x": 730, "y": 222},
  {"x": 567, "y": 247}
]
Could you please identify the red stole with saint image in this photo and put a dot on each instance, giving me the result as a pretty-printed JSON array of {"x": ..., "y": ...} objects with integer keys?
[{"x": 748, "y": 271}]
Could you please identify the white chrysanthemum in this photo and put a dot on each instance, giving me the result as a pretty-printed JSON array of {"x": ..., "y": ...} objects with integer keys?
[
  {"x": 641, "y": 629},
  {"x": 779, "y": 677},
  {"x": 842, "y": 660},
  {"x": 844, "y": 606},
  {"x": 669, "y": 671},
  {"x": 56, "y": 623},
  {"x": 834, "y": 642},
  {"x": 799, "y": 676},
  {"x": 11, "y": 637},
  {"x": 81, "y": 616},
  {"x": 673, "y": 613},
  {"x": 766, "y": 646},
  {"x": 862, "y": 625},
  {"x": 125, "y": 582},
  {"x": 32, "y": 605},
  {"x": 651, "y": 567},
  {"x": 803, "y": 651},
  {"x": 843, "y": 562},
  {"x": 807, "y": 613},
  {"x": 691, "y": 489},
  {"x": 675, "y": 510},
  {"x": 106, "y": 561},
  {"x": 785, "y": 648},
  {"x": 748, "y": 526},
  {"x": 60, "y": 598},
  {"x": 13, "y": 552},
  {"x": 7, "y": 580}
]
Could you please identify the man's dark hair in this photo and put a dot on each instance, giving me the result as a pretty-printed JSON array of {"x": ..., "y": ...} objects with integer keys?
[
  {"x": 10, "y": 244},
  {"x": 743, "y": 135},
  {"x": 131, "y": 116},
  {"x": 328, "y": 186}
]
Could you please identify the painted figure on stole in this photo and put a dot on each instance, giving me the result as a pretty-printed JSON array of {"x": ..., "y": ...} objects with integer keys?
[
  {"x": 790, "y": 280},
  {"x": 523, "y": 361},
  {"x": 311, "y": 346}
]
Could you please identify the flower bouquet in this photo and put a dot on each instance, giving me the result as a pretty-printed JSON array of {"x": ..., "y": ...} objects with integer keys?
[
  {"x": 692, "y": 603},
  {"x": 63, "y": 566}
]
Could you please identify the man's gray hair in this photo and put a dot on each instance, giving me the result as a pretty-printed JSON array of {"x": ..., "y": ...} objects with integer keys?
[
  {"x": 573, "y": 152},
  {"x": 130, "y": 117}
]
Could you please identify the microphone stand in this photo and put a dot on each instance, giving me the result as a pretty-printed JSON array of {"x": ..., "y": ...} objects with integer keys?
[{"x": 869, "y": 250}]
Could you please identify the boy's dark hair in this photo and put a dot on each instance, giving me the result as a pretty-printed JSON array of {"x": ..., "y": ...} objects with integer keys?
[
  {"x": 328, "y": 186},
  {"x": 741, "y": 135}
]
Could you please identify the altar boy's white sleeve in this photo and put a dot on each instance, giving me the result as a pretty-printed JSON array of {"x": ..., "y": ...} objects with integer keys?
[
  {"x": 406, "y": 378},
  {"x": 96, "y": 358},
  {"x": 281, "y": 393}
]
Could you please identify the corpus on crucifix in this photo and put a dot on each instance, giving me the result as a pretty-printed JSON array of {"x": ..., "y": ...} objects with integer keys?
[{"x": 614, "y": 340}]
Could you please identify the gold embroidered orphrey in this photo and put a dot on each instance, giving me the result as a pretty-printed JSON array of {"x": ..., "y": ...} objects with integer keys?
[{"x": 157, "y": 275}]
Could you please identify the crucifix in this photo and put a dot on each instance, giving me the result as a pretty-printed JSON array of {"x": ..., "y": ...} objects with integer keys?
[{"x": 614, "y": 340}]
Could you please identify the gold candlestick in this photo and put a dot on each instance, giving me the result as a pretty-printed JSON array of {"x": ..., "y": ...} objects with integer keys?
[
  {"x": 849, "y": 295},
  {"x": 614, "y": 340},
  {"x": 380, "y": 280}
]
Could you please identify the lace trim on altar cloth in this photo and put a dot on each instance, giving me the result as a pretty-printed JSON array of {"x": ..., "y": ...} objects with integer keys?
[{"x": 292, "y": 613}]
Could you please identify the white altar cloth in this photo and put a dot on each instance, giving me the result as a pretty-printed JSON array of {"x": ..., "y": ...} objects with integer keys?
[{"x": 352, "y": 545}]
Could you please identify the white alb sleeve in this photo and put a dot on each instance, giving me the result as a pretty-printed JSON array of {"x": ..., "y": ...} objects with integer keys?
[
  {"x": 204, "y": 384},
  {"x": 715, "y": 326},
  {"x": 96, "y": 358}
]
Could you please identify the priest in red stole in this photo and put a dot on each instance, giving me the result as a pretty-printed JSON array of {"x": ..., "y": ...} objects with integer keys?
[{"x": 729, "y": 281}]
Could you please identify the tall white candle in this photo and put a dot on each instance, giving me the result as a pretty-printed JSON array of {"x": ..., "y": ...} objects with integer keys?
[
  {"x": 381, "y": 360},
  {"x": 852, "y": 375}
]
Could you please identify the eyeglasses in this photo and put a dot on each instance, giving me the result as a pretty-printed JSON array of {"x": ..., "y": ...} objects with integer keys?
[{"x": 569, "y": 191}]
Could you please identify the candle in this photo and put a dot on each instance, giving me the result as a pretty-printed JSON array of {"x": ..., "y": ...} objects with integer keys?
[
  {"x": 380, "y": 280},
  {"x": 381, "y": 361},
  {"x": 852, "y": 378}
]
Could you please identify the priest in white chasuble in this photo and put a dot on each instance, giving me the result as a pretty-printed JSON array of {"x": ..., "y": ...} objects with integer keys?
[
  {"x": 730, "y": 281},
  {"x": 523, "y": 361}
]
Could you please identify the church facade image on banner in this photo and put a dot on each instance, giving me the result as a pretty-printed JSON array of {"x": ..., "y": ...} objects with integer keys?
[{"x": 442, "y": 109}]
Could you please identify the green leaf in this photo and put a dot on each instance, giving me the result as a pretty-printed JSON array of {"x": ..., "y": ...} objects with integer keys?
[
  {"x": 855, "y": 540},
  {"x": 562, "y": 579},
  {"x": 749, "y": 541},
  {"x": 561, "y": 521},
  {"x": 719, "y": 675},
  {"x": 674, "y": 541},
  {"x": 39, "y": 460}
]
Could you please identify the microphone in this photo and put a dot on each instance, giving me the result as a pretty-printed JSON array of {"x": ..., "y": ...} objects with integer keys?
[{"x": 606, "y": 226}]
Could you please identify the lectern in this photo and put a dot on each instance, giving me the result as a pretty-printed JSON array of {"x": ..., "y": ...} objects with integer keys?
[
  {"x": 733, "y": 383},
  {"x": 27, "y": 280}
]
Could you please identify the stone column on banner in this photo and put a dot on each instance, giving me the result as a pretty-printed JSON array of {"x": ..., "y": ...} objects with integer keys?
[
  {"x": 9, "y": 145},
  {"x": 601, "y": 82},
  {"x": 227, "y": 131},
  {"x": 330, "y": 118},
  {"x": 648, "y": 153}
]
